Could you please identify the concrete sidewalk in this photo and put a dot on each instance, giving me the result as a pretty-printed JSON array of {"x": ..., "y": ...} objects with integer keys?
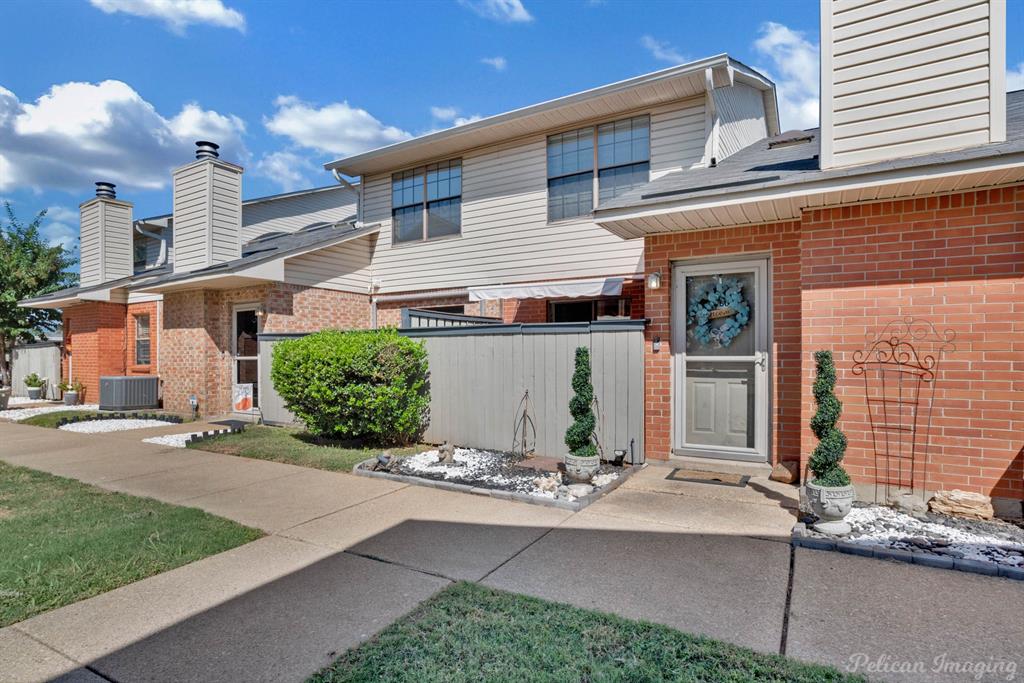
[{"x": 345, "y": 556}]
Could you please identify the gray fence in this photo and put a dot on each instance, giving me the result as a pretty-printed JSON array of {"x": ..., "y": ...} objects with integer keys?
[
  {"x": 270, "y": 402},
  {"x": 418, "y": 317},
  {"x": 491, "y": 384},
  {"x": 42, "y": 358}
]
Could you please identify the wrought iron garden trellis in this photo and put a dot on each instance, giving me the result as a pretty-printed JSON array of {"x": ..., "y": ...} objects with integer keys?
[{"x": 900, "y": 367}]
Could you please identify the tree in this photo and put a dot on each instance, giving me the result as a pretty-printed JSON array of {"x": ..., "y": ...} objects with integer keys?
[
  {"x": 826, "y": 458},
  {"x": 578, "y": 436},
  {"x": 29, "y": 267}
]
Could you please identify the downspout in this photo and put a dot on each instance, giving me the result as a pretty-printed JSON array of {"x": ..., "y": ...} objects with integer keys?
[
  {"x": 162, "y": 258},
  {"x": 342, "y": 180}
]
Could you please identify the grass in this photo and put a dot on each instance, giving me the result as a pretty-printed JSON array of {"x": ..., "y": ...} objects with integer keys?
[
  {"x": 296, "y": 447},
  {"x": 51, "y": 419},
  {"x": 64, "y": 541},
  {"x": 471, "y": 633}
]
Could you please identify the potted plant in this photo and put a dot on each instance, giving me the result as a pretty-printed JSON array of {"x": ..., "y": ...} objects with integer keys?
[
  {"x": 34, "y": 383},
  {"x": 830, "y": 493},
  {"x": 5, "y": 394},
  {"x": 72, "y": 392},
  {"x": 582, "y": 461}
]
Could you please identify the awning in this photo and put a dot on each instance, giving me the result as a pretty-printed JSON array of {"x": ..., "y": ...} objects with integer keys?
[{"x": 562, "y": 289}]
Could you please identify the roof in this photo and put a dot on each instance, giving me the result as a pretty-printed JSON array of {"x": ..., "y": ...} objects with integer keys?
[
  {"x": 768, "y": 169},
  {"x": 261, "y": 200},
  {"x": 659, "y": 87}
]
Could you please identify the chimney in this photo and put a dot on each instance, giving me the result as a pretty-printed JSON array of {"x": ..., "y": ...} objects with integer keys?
[
  {"x": 105, "y": 245},
  {"x": 207, "y": 210},
  {"x": 909, "y": 79}
]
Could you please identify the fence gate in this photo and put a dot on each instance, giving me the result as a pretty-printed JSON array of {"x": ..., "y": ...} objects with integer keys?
[{"x": 42, "y": 358}]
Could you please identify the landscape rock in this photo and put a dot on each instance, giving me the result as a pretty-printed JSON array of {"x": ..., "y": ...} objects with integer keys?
[
  {"x": 962, "y": 503},
  {"x": 787, "y": 472},
  {"x": 548, "y": 484},
  {"x": 908, "y": 503},
  {"x": 599, "y": 480},
  {"x": 580, "y": 490},
  {"x": 445, "y": 453}
]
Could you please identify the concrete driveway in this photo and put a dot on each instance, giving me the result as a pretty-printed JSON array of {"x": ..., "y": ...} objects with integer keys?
[{"x": 345, "y": 556}]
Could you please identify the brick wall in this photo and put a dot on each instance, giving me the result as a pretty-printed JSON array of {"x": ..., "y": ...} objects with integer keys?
[
  {"x": 94, "y": 338},
  {"x": 389, "y": 313}
]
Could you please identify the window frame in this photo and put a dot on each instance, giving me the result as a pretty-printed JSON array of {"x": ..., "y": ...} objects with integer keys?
[
  {"x": 147, "y": 338},
  {"x": 624, "y": 304},
  {"x": 425, "y": 202},
  {"x": 595, "y": 169}
]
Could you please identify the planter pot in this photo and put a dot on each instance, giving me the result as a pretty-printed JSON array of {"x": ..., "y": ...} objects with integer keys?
[
  {"x": 71, "y": 398},
  {"x": 34, "y": 392},
  {"x": 581, "y": 469},
  {"x": 830, "y": 504},
  {"x": 5, "y": 393}
]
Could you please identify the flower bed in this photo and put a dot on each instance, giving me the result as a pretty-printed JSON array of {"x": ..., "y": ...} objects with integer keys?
[
  {"x": 491, "y": 471},
  {"x": 19, "y": 414}
]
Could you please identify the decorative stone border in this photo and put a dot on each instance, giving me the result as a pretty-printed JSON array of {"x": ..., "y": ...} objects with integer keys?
[
  {"x": 801, "y": 539},
  {"x": 203, "y": 436},
  {"x": 574, "y": 506},
  {"x": 161, "y": 417}
]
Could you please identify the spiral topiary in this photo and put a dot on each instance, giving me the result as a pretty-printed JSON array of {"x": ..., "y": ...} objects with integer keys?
[
  {"x": 831, "y": 442},
  {"x": 578, "y": 436}
]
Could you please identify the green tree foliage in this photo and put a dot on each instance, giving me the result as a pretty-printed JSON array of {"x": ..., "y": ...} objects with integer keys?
[
  {"x": 29, "y": 267},
  {"x": 826, "y": 458},
  {"x": 578, "y": 436},
  {"x": 369, "y": 386}
]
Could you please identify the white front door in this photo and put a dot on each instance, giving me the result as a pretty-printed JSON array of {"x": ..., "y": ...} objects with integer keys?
[{"x": 720, "y": 350}]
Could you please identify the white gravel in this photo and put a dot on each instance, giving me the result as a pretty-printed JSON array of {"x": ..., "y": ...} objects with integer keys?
[
  {"x": 23, "y": 400},
  {"x": 172, "y": 440},
  {"x": 101, "y": 426},
  {"x": 20, "y": 414},
  {"x": 471, "y": 464}
]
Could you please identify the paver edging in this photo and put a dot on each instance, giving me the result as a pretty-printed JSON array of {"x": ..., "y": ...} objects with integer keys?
[
  {"x": 498, "y": 494},
  {"x": 801, "y": 539}
]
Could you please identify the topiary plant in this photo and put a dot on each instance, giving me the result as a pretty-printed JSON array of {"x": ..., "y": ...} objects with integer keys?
[
  {"x": 578, "y": 436},
  {"x": 363, "y": 385},
  {"x": 831, "y": 442}
]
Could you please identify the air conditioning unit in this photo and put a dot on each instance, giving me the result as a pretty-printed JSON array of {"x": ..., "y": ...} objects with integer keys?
[{"x": 129, "y": 393}]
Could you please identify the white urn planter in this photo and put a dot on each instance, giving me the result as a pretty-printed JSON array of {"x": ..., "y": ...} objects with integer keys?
[
  {"x": 830, "y": 504},
  {"x": 34, "y": 392},
  {"x": 71, "y": 398},
  {"x": 582, "y": 468}
]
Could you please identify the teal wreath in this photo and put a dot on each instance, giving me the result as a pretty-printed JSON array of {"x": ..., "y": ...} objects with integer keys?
[{"x": 719, "y": 294}]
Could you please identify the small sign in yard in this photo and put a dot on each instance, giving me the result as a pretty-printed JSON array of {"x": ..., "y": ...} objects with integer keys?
[{"x": 241, "y": 398}]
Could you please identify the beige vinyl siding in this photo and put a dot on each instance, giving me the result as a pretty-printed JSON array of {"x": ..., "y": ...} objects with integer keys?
[
  {"x": 225, "y": 213},
  {"x": 117, "y": 240},
  {"x": 288, "y": 214},
  {"x": 677, "y": 137},
  {"x": 902, "y": 78},
  {"x": 344, "y": 267},
  {"x": 89, "y": 271},
  {"x": 741, "y": 116},
  {"x": 207, "y": 214}
]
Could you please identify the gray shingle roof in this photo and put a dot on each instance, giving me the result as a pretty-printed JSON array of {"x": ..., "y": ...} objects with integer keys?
[{"x": 761, "y": 166}]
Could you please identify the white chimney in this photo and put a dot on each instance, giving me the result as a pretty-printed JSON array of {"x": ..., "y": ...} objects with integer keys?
[
  {"x": 207, "y": 211},
  {"x": 105, "y": 231},
  {"x": 902, "y": 79}
]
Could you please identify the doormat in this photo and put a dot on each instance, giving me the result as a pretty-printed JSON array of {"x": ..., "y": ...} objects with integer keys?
[{"x": 701, "y": 477}]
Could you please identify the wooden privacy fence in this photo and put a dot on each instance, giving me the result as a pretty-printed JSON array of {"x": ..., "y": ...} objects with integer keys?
[
  {"x": 494, "y": 386},
  {"x": 42, "y": 358},
  {"x": 271, "y": 404}
]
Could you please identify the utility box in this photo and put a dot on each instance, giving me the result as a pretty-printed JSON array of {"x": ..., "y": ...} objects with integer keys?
[{"x": 129, "y": 393}]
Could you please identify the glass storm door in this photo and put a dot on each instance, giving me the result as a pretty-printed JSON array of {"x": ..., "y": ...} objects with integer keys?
[
  {"x": 720, "y": 352},
  {"x": 246, "y": 349}
]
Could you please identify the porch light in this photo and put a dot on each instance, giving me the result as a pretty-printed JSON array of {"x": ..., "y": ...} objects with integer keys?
[
  {"x": 260, "y": 312},
  {"x": 654, "y": 280}
]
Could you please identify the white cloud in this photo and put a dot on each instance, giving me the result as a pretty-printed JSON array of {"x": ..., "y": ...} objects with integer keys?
[
  {"x": 795, "y": 61},
  {"x": 60, "y": 226},
  {"x": 290, "y": 170},
  {"x": 336, "y": 128},
  {"x": 177, "y": 14},
  {"x": 451, "y": 115},
  {"x": 78, "y": 133},
  {"x": 505, "y": 11},
  {"x": 662, "y": 51},
  {"x": 1015, "y": 78},
  {"x": 498, "y": 63}
]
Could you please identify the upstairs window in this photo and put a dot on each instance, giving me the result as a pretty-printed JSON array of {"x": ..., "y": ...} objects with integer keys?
[
  {"x": 426, "y": 202},
  {"x": 142, "y": 339},
  {"x": 618, "y": 152}
]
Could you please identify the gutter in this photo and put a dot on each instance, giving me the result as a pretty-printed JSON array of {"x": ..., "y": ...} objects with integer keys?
[{"x": 162, "y": 258}]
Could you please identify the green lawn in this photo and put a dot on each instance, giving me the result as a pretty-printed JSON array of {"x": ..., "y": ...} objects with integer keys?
[
  {"x": 471, "y": 633},
  {"x": 294, "y": 446},
  {"x": 51, "y": 419},
  {"x": 63, "y": 541}
]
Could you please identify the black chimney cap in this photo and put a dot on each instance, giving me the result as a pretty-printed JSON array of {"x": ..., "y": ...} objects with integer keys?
[
  {"x": 106, "y": 190},
  {"x": 206, "y": 149}
]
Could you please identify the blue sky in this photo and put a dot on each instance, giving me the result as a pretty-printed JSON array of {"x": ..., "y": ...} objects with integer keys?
[{"x": 118, "y": 89}]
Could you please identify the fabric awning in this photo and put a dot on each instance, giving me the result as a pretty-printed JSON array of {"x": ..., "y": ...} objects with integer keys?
[{"x": 562, "y": 289}]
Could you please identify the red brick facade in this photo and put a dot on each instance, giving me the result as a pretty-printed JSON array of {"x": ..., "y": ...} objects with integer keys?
[
  {"x": 840, "y": 274},
  {"x": 94, "y": 344}
]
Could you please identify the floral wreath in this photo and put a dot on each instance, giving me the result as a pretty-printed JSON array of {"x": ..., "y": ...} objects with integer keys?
[{"x": 718, "y": 299}]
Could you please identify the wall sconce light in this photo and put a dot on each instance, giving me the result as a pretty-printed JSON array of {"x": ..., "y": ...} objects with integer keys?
[
  {"x": 654, "y": 280},
  {"x": 260, "y": 312}
]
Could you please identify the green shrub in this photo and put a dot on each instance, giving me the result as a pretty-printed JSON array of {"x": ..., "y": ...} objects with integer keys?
[
  {"x": 34, "y": 381},
  {"x": 826, "y": 457},
  {"x": 578, "y": 436},
  {"x": 366, "y": 385}
]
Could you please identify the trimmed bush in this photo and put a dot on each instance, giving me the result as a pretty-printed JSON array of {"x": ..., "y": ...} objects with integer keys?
[
  {"x": 368, "y": 385},
  {"x": 578, "y": 436},
  {"x": 831, "y": 447}
]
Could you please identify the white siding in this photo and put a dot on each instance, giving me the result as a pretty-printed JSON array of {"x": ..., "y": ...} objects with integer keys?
[
  {"x": 207, "y": 214},
  {"x": 89, "y": 271},
  {"x": 740, "y": 111},
  {"x": 288, "y": 214},
  {"x": 345, "y": 267},
  {"x": 902, "y": 78},
  {"x": 105, "y": 249},
  {"x": 506, "y": 237}
]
